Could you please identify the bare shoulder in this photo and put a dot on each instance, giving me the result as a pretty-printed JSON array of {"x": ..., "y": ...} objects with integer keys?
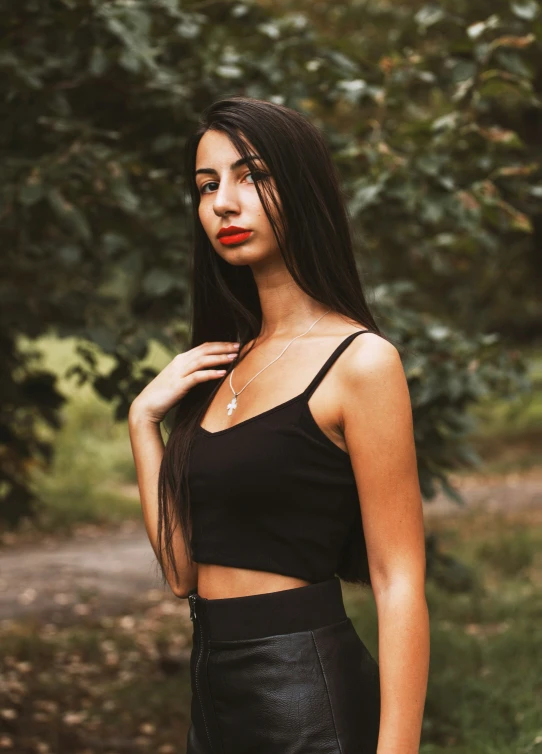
[
  {"x": 372, "y": 369},
  {"x": 367, "y": 354}
]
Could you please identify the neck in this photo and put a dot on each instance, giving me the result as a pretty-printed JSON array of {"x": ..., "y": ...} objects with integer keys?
[{"x": 287, "y": 311}]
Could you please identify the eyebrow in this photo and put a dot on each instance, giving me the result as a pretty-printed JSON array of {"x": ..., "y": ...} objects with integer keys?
[{"x": 233, "y": 166}]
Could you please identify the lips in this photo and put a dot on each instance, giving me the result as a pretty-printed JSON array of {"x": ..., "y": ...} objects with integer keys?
[{"x": 233, "y": 234}]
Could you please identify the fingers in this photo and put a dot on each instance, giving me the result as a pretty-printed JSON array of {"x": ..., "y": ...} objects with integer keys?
[
  {"x": 204, "y": 375},
  {"x": 218, "y": 346},
  {"x": 212, "y": 354}
]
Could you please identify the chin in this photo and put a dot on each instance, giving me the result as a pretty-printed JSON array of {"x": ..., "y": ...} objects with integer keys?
[
  {"x": 242, "y": 256},
  {"x": 238, "y": 260}
]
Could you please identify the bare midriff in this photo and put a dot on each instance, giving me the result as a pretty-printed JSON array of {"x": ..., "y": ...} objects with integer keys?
[{"x": 220, "y": 582}]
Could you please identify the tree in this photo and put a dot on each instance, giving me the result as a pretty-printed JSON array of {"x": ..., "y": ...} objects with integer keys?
[
  {"x": 99, "y": 98},
  {"x": 440, "y": 121}
]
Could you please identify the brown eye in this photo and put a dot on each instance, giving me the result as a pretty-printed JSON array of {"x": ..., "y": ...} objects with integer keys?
[{"x": 210, "y": 183}]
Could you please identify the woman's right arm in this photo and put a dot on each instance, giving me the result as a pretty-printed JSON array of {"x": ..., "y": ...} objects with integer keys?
[
  {"x": 148, "y": 449},
  {"x": 146, "y": 413}
]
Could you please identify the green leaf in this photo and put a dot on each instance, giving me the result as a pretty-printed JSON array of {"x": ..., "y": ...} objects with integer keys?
[
  {"x": 429, "y": 15},
  {"x": 188, "y": 29},
  {"x": 446, "y": 122},
  {"x": 363, "y": 198},
  {"x": 477, "y": 29},
  {"x": 71, "y": 217},
  {"x": 270, "y": 30},
  {"x": 229, "y": 71},
  {"x": 157, "y": 282},
  {"x": 70, "y": 253},
  {"x": 525, "y": 9},
  {"x": 123, "y": 194},
  {"x": 98, "y": 62},
  {"x": 31, "y": 192},
  {"x": 102, "y": 336}
]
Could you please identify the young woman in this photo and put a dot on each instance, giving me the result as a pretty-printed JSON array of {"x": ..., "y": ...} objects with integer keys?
[{"x": 290, "y": 463}]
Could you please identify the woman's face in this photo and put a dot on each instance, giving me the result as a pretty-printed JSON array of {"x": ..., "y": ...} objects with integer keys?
[{"x": 228, "y": 197}]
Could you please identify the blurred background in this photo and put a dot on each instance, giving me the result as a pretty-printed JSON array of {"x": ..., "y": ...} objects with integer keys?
[{"x": 434, "y": 115}]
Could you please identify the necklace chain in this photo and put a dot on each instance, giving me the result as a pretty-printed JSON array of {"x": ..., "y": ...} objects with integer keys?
[{"x": 233, "y": 405}]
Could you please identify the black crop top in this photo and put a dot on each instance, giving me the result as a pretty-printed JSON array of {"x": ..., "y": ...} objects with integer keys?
[{"x": 273, "y": 492}]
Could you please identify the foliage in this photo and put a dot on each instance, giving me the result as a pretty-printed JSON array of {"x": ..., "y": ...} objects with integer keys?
[
  {"x": 440, "y": 117},
  {"x": 98, "y": 99}
]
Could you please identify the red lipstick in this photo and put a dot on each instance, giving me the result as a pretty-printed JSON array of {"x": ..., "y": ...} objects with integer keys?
[{"x": 232, "y": 235}]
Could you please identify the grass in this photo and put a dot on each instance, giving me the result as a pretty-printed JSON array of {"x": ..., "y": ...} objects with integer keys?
[
  {"x": 92, "y": 479},
  {"x": 509, "y": 433},
  {"x": 485, "y": 688},
  {"x": 90, "y": 469},
  {"x": 122, "y": 683}
]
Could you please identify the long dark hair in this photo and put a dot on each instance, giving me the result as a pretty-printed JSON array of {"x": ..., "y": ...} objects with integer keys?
[{"x": 314, "y": 238}]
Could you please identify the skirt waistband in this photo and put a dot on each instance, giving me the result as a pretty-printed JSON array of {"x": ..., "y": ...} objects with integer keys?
[{"x": 257, "y": 615}]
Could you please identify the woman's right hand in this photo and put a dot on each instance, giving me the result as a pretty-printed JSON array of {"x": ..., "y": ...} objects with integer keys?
[{"x": 181, "y": 374}]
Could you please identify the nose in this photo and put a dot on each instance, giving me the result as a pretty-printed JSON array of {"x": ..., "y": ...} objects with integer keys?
[{"x": 225, "y": 199}]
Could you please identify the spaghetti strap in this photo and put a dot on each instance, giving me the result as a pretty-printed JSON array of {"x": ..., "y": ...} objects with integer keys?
[{"x": 331, "y": 360}]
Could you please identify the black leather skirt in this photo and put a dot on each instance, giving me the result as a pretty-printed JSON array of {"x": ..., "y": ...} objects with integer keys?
[{"x": 281, "y": 673}]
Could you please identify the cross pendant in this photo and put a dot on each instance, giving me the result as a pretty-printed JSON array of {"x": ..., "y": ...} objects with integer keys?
[{"x": 232, "y": 405}]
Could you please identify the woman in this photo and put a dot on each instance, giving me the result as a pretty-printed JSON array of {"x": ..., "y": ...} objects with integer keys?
[{"x": 287, "y": 468}]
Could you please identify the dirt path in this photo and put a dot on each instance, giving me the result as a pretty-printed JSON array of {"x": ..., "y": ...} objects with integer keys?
[
  {"x": 492, "y": 493},
  {"x": 105, "y": 571},
  {"x": 59, "y": 577}
]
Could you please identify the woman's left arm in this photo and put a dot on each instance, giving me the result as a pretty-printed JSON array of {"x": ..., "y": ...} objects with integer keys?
[{"x": 378, "y": 430}]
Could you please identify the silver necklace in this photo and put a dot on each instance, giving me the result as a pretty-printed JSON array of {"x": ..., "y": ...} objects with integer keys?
[{"x": 233, "y": 404}]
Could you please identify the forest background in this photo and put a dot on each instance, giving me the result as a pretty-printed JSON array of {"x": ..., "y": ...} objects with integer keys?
[{"x": 433, "y": 112}]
